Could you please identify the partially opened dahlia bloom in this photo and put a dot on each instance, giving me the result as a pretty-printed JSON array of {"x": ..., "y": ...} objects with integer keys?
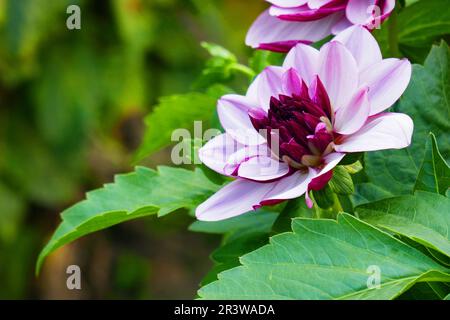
[
  {"x": 319, "y": 106},
  {"x": 289, "y": 22}
]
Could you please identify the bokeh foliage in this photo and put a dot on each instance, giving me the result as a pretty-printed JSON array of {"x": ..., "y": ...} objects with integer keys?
[{"x": 72, "y": 103}]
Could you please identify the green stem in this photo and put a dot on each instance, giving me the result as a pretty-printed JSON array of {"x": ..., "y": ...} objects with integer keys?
[{"x": 244, "y": 69}]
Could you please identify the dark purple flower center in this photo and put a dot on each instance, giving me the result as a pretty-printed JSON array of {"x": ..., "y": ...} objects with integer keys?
[{"x": 301, "y": 125}]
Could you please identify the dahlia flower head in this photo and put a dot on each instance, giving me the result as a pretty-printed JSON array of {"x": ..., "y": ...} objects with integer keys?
[
  {"x": 298, "y": 121},
  {"x": 288, "y": 22}
]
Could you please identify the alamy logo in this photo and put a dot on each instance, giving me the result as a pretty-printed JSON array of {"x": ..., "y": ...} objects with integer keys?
[
  {"x": 374, "y": 280},
  {"x": 74, "y": 20},
  {"x": 74, "y": 279}
]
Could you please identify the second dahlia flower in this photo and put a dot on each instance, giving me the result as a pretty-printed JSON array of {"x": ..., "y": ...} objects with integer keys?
[
  {"x": 317, "y": 107},
  {"x": 289, "y": 22}
]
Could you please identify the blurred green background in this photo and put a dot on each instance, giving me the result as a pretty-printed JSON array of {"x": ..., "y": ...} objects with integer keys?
[{"x": 72, "y": 104}]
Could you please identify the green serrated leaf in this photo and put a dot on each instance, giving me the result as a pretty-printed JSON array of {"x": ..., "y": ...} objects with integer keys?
[
  {"x": 423, "y": 217},
  {"x": 434, "y": 175},
  {"x": 395, "y": 171},
  {"x": 135, "y": 195},
  {"x": 326, "y": 259},
  {"x": 175, "y": 112}
]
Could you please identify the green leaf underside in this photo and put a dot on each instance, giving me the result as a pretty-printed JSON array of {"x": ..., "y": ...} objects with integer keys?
[
  {"x": 434, "y": 175},
  {"x": 138, "y": 194},
  {"x": 423, "y": 217},
  {"x": 326, "y": 259},
  {"x": 395, "y": 171},
  {"x": 259, "y": 221}
]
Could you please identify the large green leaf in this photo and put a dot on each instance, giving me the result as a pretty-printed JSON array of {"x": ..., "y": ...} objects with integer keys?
[
  {"x": 174, "y": 112},
  {"x": 423, "y": 217},
  {"x": 326, "y": 259},
  {"x": 241, "y": 235},
  {"x": 418, "y": 26},
  {"x": 434, "y": 175},
  {"x": 423, "y": 21},
  {"x": 142, "y": 193},
  {"x": 427, "y": 101}
]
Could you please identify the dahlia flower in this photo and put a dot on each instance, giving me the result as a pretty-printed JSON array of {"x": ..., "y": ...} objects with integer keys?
[
  {"x": 288, "y": 22},
  {"x": 317, "y": 107}
]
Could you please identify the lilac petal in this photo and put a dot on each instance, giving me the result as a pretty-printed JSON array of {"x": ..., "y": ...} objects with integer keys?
[
  {"x": 270, "y": 85},
  {"x": 288, "y": 3},
  {"x": 381, "y": 132},
  {"x": 331, "y": 161},
  {"x": 363, "y": 46},
  {"x": 319, "y": 95},
  {"x": 339, "y": 73},
  {"x": 268, "y": 30},
  {"x": 290, "y": 187},
  {"x": 233, "y": 114},
  {"x": 389, "y": 6},
  {"x": 303, "y": 13},
  {"x": 262, "y": 169},
  {"x": 292, "y": 83},
  {"x": 350, "y": 119},
  {"x": 358, "y": 11},
  {"x": 304, "y": 59},
  {"x": 252, "y": 91},
  {"x": 387, "y": 80},
  {"x": 341, "y": 25},
  {"x": 237, "y": 197},
  {"x": 216, "y": 153},
  {"x": 316, "y": 4}
]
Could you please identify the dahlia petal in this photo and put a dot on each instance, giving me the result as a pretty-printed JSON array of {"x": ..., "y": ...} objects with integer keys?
[
  {"x": 359, "y": 11},
  {"x": 350, "y": 119},
  {"x": 319, "y": 95},
  {"x": 237, "y": 197},
  {"x": 331, "y": 160},
  {"x": 290, "y": 187},
  {"x": 339, "y": 73},
  {"x": 303, "y": 13},
  {"x": 304, "y": 59},
  {"x": 316, "y": 4},
  {"x": 389, "y": 6},
  {"x": 233, "y": 114},
  {"x": 288, "y": 3},
  {"x": 363, "y": 46},
  {"x": 380, "y": 132},
  {"x": 268, "y": 30},
  {"x": 387, "y": 80},
  {"x": 262, "y": 168},
  {"x": 270, "y": 85},
  {"x": 292, "y": 83},
  {"x": 216, "y": 153},
  {"x": 341, "y": 25}
]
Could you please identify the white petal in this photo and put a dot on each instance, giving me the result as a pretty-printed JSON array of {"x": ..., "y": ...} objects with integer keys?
[
  {"x": 363, "y": 46},
  {"x": 338, "y": 72},
  {"x": 352, "y": 117},
  {"x": 381, "y": 132},
  {"x": 237, "y": 197},
  {"x": 387, "y": 80},
  {"x": 304, "y": 59}
]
